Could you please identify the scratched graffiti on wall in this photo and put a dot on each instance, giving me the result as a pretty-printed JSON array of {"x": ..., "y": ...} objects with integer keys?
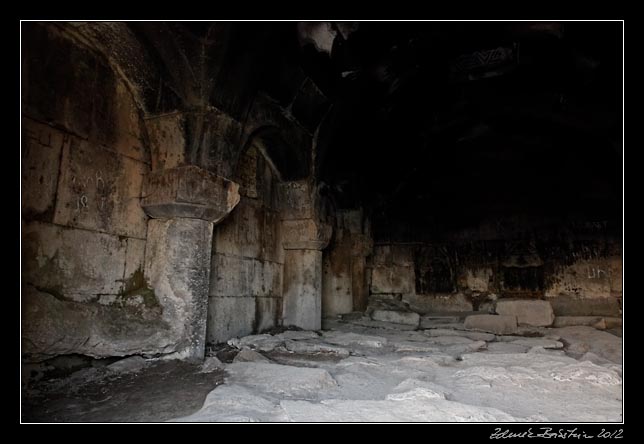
[
  {"x": 596, "y": 273},
  {"x": 91, "y": 191}
]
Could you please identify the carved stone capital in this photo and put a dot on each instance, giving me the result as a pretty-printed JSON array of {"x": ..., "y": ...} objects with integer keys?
[
  {"x": 305, "y": 234},
  {"x": 189, "y": 192}
]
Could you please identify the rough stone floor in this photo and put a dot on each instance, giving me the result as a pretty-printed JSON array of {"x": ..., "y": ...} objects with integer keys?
[{"x": 361, "y": 371}]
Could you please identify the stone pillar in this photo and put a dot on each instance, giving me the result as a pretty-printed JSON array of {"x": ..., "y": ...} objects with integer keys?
[
  {"x": 304, "y": 235},
  {"x": 185, "y": 203},
  {"x": 345, "y": 288},
  {"x": 362, "y": 245}
]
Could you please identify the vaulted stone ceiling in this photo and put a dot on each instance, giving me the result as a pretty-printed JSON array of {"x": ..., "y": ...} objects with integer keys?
[{"x": 430, "y": 123}]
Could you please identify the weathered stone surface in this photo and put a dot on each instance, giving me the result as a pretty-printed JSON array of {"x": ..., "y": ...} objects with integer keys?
[
  {"x": 297, "y": 200},
  {"x": 612, "y": 322},
  {"x": 538, "y": 342},
  {"x": 128, "y": 365},
  {"x": 354, "y": 339},
  {"x": 177, "y": 267},
  {"x": 583, "y": 339},
  {"x": 167, "y": 140},
  {"x": 302, "y": 297},
  {"x": 268, "y": 313},
  {"x": 229, "y": 317},
  {"x": 314, "y": 346},
  {"x": 189, "y": 192},
  {"x": 535, "y": 313},
  {"x": 615, "y": 272},
  {"x": 337, "y": 295},
  {"x": 392, "y": 279},
  {"x": 436, "y": 321},
  {"x": 231, "y": 276},
  {"x": 439, "y": 303},
  {"x": 366, "y": 322},
  {"x": 497, "y": 324},
  {"x": 267, "y": 279},
  {"x": 397, "y": 317},
  {"x": 248, "y": 355},
  {"x": 305, "y": 234},
  {"x": 475, "y": 336},
  {"x": 414, "y": 388},
  {"x": 250, "y": 220},
  {"x": 100, "y": 190},
  {"x": 134, "y": 257},
  {"x": 71, "y": 261},
  {"x": 281, "y": 379},
  {"x": 412, "y": 408},
  {"x": 587, "y": 279},
  {"x": 128, "y": 138},
  {"x": 40, "y": 165},
  {"x": 298, "y": 335},
  {"x": 569, "y": 321},
  {"x": 235, "y": 403},
  {"x": 264, "y": 342},
  {"x": 476, "y": 279},
  {"x": 506, "y": 348},
  {"x": 211, "y": 364},
  {"x": 576, "y": 306},
  {"x": 53, "y": 326}
]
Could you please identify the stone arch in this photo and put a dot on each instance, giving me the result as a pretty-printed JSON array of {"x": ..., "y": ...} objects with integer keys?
[{"x": 286, "y": 161}]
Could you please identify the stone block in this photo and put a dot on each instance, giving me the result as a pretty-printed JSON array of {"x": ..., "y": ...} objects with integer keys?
[
  {"x": 54, "y": 326},
  {"x": 225, "y": 235},
  {"x": 134, "y": 256},
  {"x": 229, "y": 318},
  {"x": 41, "y": 149},
  {"x": 477, "y": 279},
  {"x": 248, "y": 355},
  {"x": 392, "y": 279},
  {"x": 438, "y": 303},
  {"x": 586, "y": 279},
  {"x": 272, "y": 249},
  {"x": 569, "y": 321},
  {"x": 167, "y": 140},
  {"x": 268, "y": 312},
  {"x": 402, "y": 255},
  {"x": 397, "y": 317},
  {"x": 231, "y": 276},
  {"x": 497, "y": 324},
  {"x": 189, "y": 192},
  {"x": 266, "y": 279},
  {"x": 250, "y": 219},
  {"x": 303, "y": 289},
  {"x": 382, "y": 255},
  {"x": 576, "y": 306},
  {"x": 337, "y": 295},
  {"x": 70, "y": 261},
  {"x": 127, "y": 137},
  {"x": 281, "y": 379},
  {"x": 615, "y": 276},
  {"x": 100, "y": 190},
  {"x": 296, "y": 198},
  {"x": 527, "y": 312}
]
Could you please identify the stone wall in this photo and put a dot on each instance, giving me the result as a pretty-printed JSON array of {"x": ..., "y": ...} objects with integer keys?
[
  {"x": 579, "y": 275},
  {"x": 84, "y": 157},
  {"x": 344, "y": 279},
  {"x": 248, "y": 258}
]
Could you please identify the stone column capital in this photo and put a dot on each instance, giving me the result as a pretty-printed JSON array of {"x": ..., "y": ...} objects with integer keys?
[
  {"x": 189, "y": 192},
  {"x": 305, "y": 234}
]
